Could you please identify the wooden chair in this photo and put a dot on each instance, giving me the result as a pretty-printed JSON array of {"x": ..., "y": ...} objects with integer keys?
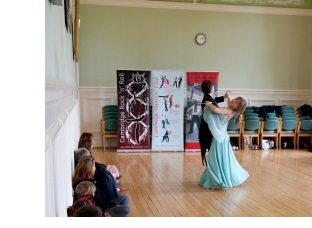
[
  {"x": 251, "y": 128},
  {"x": 289, "y": 118},
  {"x": 304, "y": 129},
  {"x": 270, "y": 128},
  {"x": 235, "y": 130},
  {"x": 288, "y": 129},
  {"x": 109, "y": 123}
]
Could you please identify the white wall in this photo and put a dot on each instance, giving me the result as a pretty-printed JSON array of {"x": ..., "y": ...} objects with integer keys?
[{"x": 62, "y": 128}]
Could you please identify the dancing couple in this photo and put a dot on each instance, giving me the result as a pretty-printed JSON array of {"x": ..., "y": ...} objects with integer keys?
[{"x": 222, "y": 169}]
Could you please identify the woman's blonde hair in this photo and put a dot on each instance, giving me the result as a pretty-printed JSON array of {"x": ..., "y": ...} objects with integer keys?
[
  {"x": 84, "y": 169},
  {"x": 242, "y": 104}
]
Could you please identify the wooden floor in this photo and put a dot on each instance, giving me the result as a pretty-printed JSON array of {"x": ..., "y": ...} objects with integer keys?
[{"x": 165, "y": 184}]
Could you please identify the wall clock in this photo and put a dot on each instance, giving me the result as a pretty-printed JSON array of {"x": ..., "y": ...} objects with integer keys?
[{"x": 200, "y": 38}]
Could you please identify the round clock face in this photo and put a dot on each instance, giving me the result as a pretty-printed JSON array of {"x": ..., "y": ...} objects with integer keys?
[{"x": 200, "y": 39}]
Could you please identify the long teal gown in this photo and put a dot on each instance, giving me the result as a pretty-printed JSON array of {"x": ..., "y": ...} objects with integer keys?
[{"x": 223, "y": 170}]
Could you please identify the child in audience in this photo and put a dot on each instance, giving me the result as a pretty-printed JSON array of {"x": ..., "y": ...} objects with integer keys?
[{"x": 85, "y": 190}]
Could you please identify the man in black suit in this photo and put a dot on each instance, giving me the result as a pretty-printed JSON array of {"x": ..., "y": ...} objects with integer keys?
[{"x": 205, "y": 136}]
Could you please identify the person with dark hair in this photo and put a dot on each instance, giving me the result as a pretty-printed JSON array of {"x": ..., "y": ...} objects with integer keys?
[
  {"x": 89, "y": 211},
  {"x": 76, "y": 205},
  {"x": 86, "y": 143},
  {"x": 195, "y": 116},
  {"x": 179, "y": 81},
  {"x": 86, "y": 135},
  {"x": 166, "y": 136},
  {"x": 85, "y": 208},
  {"x": 204, "y": 135},
  {"x": 79, "y": 153},
  {"x": 108, "y": 197},
  {"x": 223, "y": 170}
]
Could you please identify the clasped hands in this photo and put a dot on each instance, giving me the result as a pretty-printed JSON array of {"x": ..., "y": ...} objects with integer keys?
[{"x": 227, "y": 94}]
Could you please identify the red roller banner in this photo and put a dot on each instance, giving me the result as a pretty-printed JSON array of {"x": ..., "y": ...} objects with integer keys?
[{"x": 193, "y": 106}]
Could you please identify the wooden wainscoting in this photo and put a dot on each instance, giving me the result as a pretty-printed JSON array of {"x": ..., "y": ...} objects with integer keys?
[{"x": 166, "y": 184}]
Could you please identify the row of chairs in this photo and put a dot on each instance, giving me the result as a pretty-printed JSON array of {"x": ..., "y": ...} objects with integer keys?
[{"x": 289, "y": 125}]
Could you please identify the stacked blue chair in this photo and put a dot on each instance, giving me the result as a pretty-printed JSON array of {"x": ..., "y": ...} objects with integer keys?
[
  {"x": 288, "y": 108},
  {"x": 251, "y": 129},
  {"x": 288, "y": 111},
  {"x": 304, "y": 129},
  {"x": 272, "y": 116},
  {"x": 109, "y": 123},
  {"x": 292, "y": 115},
  {"x": 288, "y": 129},
  {"x": 249, "y": 108},
  {"x": 235, "y": 130},
  {"x": 250, "y": 114},
  {"x": 270, "y": 128}
]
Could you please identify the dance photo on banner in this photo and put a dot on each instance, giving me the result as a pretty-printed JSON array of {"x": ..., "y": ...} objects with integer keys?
[
  {"x": 167, "y": 110},
  {"x": 193, "y": 106},
  {"x": 133, "y": 88}
]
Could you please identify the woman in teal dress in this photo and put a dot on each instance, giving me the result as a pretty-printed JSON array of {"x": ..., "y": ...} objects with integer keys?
[{"x": 223, "y": 170}]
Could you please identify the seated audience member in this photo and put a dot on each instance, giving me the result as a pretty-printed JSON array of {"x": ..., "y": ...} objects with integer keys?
[
  {"x": 106, "y": 195},
  {"x": 81, "y": 152},
  {"x": 84, "y": 170},
  {"x": 89, "y": 211},
  {"x": 86, "y": 135},
  {"x": 86, "y": 141},
  {"x": 76, "y": 205},
  {"x": 85, "y": 152},
  {"x": 85, "y": 190},
  {"x": 75, "y": 211}
]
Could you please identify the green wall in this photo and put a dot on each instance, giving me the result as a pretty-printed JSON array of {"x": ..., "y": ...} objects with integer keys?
[{"x": 251, "y": 51}]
